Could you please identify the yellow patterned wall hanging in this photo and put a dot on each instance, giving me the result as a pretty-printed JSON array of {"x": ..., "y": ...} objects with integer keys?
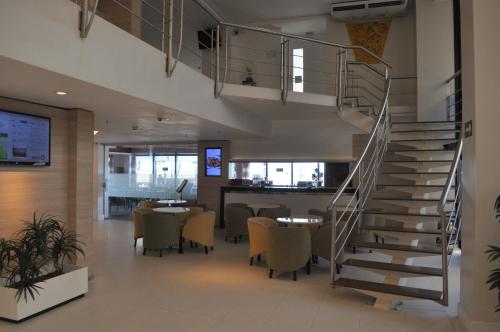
[{"x": 371, "y": 35}]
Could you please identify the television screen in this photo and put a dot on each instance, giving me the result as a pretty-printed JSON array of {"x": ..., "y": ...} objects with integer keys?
[
  {"x": 213, "y": 162},
  {"x": 24, "y": 139}
]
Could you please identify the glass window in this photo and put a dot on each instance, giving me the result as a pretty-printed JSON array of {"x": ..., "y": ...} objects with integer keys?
[
  {"x": 280, "y": 173},
  {"x": 144, "y": 170},
  {"x": 307, "y": 173},
  {"x": 298, "y": 70},
  {"x": 303, "y": 173},
  {"x": 165, "y": 175},
  {"x": 187, "y": 168},
  {"x": 247, "y": 170}
]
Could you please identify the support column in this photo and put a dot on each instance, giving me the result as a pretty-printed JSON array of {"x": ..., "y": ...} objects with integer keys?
[
  {"x": 81, "y": 189},
  {"x": 435, "y": 57},
  {"x": 208, "y": 186},
  {"x": 480, "y": 28}
]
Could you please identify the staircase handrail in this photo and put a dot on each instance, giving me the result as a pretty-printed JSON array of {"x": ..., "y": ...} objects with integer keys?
[
  {"x": 451, "y": 176},
  {"x": 362, "y": 157},
  {"x": 454, "y": 174}
]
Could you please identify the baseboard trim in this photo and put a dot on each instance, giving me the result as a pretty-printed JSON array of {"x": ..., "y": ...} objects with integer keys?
[{"x": 475, "y": 326}]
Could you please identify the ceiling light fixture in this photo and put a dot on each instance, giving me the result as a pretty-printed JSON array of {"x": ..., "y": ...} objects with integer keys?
[
  {"x": 61, "y": 93},
  {"x": 96, "y": 132}
]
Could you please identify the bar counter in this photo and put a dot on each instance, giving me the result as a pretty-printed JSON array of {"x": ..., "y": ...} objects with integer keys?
[{"x": 299, "y": 199}]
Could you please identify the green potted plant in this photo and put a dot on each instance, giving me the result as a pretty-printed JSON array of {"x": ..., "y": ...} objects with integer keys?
[
  {"x": 494, "y": 254},
  {"x": 33, "y": 267}
]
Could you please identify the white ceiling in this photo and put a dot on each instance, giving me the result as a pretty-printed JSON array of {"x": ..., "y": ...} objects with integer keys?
[
  {"x": 115, "y": 114},
  {"x": 245, "y": 11}
]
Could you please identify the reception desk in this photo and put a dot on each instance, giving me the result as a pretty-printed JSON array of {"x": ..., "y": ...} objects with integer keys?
[{"x": 298, "y": 199}]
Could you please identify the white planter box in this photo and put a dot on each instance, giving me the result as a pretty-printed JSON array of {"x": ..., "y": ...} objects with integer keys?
[{"x": 73, "y": 283}]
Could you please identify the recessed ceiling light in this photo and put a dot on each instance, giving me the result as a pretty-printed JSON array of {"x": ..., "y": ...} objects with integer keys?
[
  {"x": 96, "y": 132},
  {"x": 61, "y": 93}
]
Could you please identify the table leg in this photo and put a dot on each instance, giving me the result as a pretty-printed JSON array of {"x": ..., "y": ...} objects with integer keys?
[{"x": 181, "y": 250}]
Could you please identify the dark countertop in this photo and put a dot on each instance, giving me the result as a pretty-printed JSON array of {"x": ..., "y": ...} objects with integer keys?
[{"x": 281, "y": 189}]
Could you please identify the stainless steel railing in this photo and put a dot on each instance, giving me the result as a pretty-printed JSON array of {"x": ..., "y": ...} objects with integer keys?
[
  {"x": 450, "y": 221},
  {"x": 362, "y": 178},
  {"x": 224, "y": 53},
  {"x": 454, "y": 97}
]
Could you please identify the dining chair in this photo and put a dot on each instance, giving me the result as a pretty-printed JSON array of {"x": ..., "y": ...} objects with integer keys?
[
  {"x": 275, "y": 213},
  {"x": 236, "y": 222},
  {"x": 139, "y": 223},
  {"x": 289, "y": 249},
  {"x": 161, "y": 231},
  {"x": 200, "y": 229},
  {"x": 257, "y": 235}
]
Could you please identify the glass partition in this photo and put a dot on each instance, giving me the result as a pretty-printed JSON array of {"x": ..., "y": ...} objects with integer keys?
[{"x": 137, "y": 173}]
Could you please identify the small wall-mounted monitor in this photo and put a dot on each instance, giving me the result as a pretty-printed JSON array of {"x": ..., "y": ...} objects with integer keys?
[
  {"x": 24, "y": 139},
  {"x": 213, "y": 162}
]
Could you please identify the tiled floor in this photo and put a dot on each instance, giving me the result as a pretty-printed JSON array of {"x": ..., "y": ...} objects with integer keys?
[{"x": 220, "y": 292}]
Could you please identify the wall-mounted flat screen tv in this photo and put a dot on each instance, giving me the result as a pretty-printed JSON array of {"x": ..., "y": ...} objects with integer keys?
[
  {"x": 213, "y": 162},
  {"x": 24, "y": 139}
]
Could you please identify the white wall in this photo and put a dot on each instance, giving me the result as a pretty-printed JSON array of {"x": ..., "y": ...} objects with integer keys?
[
  {"x": 400, "y": 51},
  {"x": 435, "y": 57},
  {"x": 481, "y": 161},
  {"x": 313, "y": 139}
]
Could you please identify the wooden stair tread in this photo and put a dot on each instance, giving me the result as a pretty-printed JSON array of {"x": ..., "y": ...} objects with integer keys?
[
  {"x": 408, "y": 199},
  {"x": 418, "y": 150},
  {"x": 417, "y": 161},
  {"x": 399, "y": 229},
  {"x": 423, "y": 140},
  {"x": 424, "y": 131},
  {"x": 414, "y": 185},
  {"x": 401, "y": 214},
  {"x": 406, "y": 172},
  {"x": 391, "y": 289},
  {"x": 425, "y": 122},
  {"x": 398, "y": 247},
  {"x": 413, "y": 269}
]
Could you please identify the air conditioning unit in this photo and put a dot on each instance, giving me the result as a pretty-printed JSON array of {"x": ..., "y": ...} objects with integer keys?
[{"x": 367, "y": 10}]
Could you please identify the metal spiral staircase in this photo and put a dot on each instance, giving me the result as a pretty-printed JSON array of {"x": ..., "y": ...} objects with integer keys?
[{"x": 402, "y": 197}]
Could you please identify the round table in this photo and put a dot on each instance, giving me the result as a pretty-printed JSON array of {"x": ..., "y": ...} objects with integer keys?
[
  {"x": 169, "y": 202},
  {"x": 257, "y": 207},
  {"x": 301, "y": 220},
  {"x": 171, "y": 209}
]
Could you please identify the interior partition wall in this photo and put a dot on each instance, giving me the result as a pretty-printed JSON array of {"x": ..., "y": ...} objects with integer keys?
[{"x": 136, "y": 173}]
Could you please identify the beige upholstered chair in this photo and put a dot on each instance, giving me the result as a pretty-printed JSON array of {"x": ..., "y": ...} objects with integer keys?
[
  {"x": 185, "y": 216},
  {"x": 257, "y": 235},
  {"x": 200, "y": 229},
  {"x": 161, "y": 231},
  {"x": 139, "y": 223},
  {"x": 236, "y": 222},
  {"x": 289, "y": 249},
  {"x": 275, "y": 213},
  {"x": 322, "y": 243}
]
